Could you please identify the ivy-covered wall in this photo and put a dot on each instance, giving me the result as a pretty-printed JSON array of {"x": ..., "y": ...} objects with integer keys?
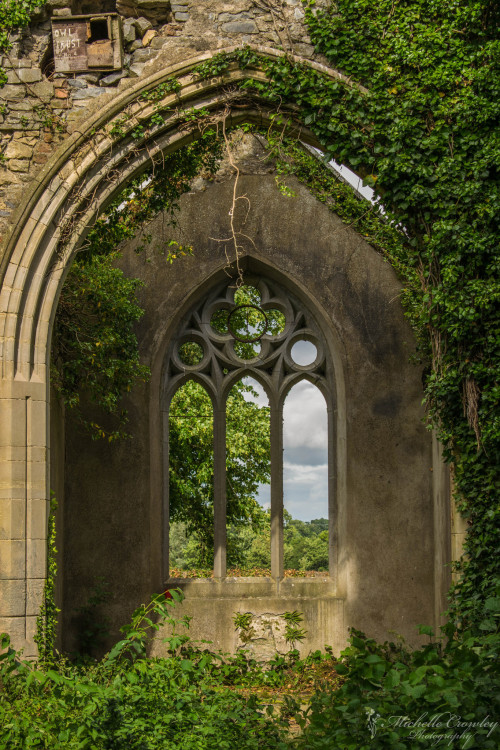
[
  {"x": 414, "y": 109},
  {"x": 39, "y": 107},
  {"x": 391, "y": 569}
]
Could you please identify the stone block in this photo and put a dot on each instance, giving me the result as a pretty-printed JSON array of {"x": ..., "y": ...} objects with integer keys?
[
  {"x": 240, "y": 27},
  {"x": 36, "y": 558},
  {"x": 18, "y": 150},
  {"x": 12, "y": 597},
  {"x": 19, "y": 165},
  {"x": 143, "y": 55},
  {"x": 36, "y": 523},
  {"x": 89, "y": 93},
  {"x": 306, "y": 50},
  {"x": 90, "y": 77},
  {"x": 112, "y": 78},
  {"x": 234, "y": 17},
  {"x": 43, "y": 90},
  {"x": 128, "y": 31},
  {"x": 12, "y": 558},
  {"x": 12, "y": 519},
  {"x": 77, "y": 83},
  {"x": 7, "y": 178},
  {"x": 24, "y": 75},
  {"x": 159, "y": 42},
  {"x": 21, "y": 106},
  {"x": 142, "y": 25},
  {"x": 136, "y": 69},
  {"x": 15, "y": 627},
  {"x": 136, "y": 45},
  {"x": 34, "y": 595},
  {"x": 30, "y": 650},
  {"x": 11, "y": 93},
  {"x": 148, "y": 37},
  {"x": 181, "y": 16}
]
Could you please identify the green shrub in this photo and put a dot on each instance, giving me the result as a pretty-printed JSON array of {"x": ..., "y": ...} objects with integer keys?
[
  {"x": 437, "y": 696},
  {"x": 127, "y": 701}
]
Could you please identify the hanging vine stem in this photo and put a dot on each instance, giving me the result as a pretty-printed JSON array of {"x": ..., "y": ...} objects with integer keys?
[{"x": 232, "y": 211}]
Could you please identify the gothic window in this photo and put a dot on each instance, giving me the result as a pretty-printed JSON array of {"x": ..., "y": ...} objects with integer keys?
[{"x": 258, "y": 330}]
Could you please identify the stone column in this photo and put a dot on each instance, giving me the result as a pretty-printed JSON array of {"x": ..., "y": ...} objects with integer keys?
[
  {"x": 23, "y": 508},
  {"x": 220, "y": 535},
  {"x": 165, "y": 529},
  {"x": 276, "y": 492}
]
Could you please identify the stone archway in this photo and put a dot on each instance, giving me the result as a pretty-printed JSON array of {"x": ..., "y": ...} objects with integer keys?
[
  {"x": 49, "y": 227},
  {"x": 77, "y": 184}
]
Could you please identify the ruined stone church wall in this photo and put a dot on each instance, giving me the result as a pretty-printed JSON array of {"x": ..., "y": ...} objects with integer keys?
[{"x": 39, "y": 107}]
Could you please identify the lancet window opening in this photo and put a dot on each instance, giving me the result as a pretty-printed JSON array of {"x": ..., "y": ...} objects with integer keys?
[{"x": 249, "y": 331}]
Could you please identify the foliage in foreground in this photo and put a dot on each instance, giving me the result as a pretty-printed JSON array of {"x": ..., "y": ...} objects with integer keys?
[
  {"x": 437, "y": 696},
  {"x": 128, "y": 701},
  {"x": 375, "y": 696}
]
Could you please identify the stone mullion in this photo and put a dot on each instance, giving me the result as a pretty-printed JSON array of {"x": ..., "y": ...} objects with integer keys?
[
  {"x": 332, "y": 505},
  {"x": 276, "y": 490},
  {"x": 220, "y": 535}
]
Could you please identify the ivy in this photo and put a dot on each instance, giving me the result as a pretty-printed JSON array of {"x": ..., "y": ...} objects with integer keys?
[
  {"x": 95, "y": 352},
  {"x": 14, "y": 14},
  {"x": 46, "y": 623},
  {"x": 419, "y": 120}
]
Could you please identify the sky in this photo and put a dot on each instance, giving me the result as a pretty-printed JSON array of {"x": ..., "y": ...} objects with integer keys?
[{"x": 305, "y": 457}]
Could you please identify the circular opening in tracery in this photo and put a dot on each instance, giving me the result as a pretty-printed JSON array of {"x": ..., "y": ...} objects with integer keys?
[
  {"x": 304, "y": 352},
  {"x": 246, "y": 351},
  {"x": 275, "y": 322},
  {"x": 247, "y": 323},
  {"x": 247, "y": 295},
  {"x": 190, "y": 353},
  {"x": 218, "y": 321}
]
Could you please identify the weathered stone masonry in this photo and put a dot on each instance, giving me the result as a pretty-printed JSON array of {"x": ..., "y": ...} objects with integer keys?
[{"x": 393, "y": 519}]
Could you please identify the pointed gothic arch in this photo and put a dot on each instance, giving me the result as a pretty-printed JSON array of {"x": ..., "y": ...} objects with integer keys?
[
  {"x": 221, "y": 366},
  {"x": 78, "y": 183}
]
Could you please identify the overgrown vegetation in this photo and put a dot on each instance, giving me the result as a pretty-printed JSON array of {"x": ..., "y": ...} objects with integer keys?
[
  {"x": 443, "y": 695},
  {"x": 182, "y": 702},
  {"x": 425, "y": 134},
  {"x": 14, "y": 14},
  {"x": 95, "y": 352}
]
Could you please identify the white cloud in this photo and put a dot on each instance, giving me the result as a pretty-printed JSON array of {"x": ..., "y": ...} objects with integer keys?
[
  {"x": 305, "y": 418},
  {"x": 305, "y": 459}
]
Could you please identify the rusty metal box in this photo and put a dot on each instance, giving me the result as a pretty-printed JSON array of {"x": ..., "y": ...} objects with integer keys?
[{"x": 83, "y": 43}]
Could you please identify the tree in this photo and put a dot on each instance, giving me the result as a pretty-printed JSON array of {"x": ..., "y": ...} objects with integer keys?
[{"x": 191, "y": 464}]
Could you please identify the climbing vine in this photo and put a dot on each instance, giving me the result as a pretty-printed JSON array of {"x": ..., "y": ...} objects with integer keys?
[
  {"x": 414, "y": 110},
  {"x": 95, "y": 354},
  {"x": 418, "y": 119},
  {"x": 46, "y": 622},
  {"x": 14, "y": 14}
]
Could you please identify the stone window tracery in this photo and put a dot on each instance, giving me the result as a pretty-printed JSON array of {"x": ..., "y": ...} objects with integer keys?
[{"x": 257, "y": 330}]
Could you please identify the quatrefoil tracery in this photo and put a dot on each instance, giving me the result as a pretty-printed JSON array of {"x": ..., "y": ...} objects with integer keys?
[{"x": 247, "y": 332}]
